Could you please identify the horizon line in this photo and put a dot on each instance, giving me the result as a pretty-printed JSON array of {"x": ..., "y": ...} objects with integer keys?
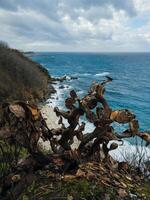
[{"x": 99, "y": 52}]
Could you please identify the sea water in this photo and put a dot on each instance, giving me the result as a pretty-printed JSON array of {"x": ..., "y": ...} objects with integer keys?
[{"x": 130, "y": 88}]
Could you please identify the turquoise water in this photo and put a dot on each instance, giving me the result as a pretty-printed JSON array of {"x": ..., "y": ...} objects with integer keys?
[{"x": 130, "y": 71}]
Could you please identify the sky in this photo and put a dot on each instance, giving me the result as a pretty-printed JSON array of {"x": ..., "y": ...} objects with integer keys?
[{"x": 76, "y": 25}]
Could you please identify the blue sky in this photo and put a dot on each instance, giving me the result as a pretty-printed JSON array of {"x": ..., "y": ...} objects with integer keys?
[{"x": 76, "y": 25}]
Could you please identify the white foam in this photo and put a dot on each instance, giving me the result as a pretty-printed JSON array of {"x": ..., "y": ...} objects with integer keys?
[
  {"x": 124, "y": 152},
  {"x": 103, "y": 74},
  {"x": 131, "y": 153},
  {"x": 86, "y": 74},
  {"x": 89, "y": 127},
  {"x": 57, "y": 99},
  {"x": 68, "y": 77}
]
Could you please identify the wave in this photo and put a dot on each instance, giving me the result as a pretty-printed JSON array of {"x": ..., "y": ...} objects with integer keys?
[
  {"x": 57, "y": 99},
  {"x": 82, "y": 74},
  {"x": 127, "y": 151},
  {"x": 124, "y": 152},
  {"x": 103, "y": 74},
  {"x": 68, "y": 77},
  {"x": 80, "y": 92},
  {"x": 86, "y": 74},
  {"x": 131, "y": 152}
]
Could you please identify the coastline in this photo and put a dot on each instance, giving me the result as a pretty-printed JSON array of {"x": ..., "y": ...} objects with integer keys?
[
  {"x": 126, "y": 151},
  {"x": 121, "y": 154}
]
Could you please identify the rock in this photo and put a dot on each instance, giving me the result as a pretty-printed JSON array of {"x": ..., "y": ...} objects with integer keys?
[
  {"x": 61, "y": 87},
  {"x": 113, "y": 146},
  {"x": 64, "y": 78},
  {"x": 74, "y": 78}
]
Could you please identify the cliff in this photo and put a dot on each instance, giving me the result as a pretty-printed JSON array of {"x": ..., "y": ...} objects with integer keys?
[{"x": 21, "y": 78}]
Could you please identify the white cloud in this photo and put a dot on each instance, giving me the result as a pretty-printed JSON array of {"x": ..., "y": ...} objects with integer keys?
[{"x": 81, "y": 25}]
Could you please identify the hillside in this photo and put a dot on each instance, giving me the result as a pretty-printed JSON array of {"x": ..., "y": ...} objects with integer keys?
[{"x": 21, "y": 78}]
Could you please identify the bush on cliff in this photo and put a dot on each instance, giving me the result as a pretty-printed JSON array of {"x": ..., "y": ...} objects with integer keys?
[{"x": 21, "y": 78}]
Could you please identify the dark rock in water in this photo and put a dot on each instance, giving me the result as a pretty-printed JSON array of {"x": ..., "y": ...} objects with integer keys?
[
  {"x": 73, "y": 77},
  {"x": 64, "y": 78},
  {"x": 61, "y": 87}
]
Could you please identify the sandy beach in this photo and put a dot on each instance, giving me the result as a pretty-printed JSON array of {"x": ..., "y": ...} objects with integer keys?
[{"x": 51, "y": 119}]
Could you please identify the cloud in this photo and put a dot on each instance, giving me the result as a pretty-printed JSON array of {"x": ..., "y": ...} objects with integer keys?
[
  {"x": 81, "y": 25},
  {"x": 8, "y": 5}
]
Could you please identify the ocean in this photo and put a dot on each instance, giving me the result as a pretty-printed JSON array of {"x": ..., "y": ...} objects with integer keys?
[{"x": 129, "y": 89}]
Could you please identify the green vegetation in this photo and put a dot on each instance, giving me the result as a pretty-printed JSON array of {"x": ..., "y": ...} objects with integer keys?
[
  {"x": 143, "y": 190},
  {"x": 45, "y": 189},
  {"x": 9, "y": 156},
  {"x": 83, "y": 189},
  {"x": 21, "y": 78}
]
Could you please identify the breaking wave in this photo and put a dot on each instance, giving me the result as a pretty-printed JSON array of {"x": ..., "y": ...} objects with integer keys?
[
  {"x": 86, "y": 74},
  {"x": 131, "y": 152},
  {"x": 103, "y": 74},
  {"x": 57, "y": 99}
]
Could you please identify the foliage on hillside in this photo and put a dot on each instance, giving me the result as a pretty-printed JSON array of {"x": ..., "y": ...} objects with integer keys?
[{"x": 21, "y": 78}]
